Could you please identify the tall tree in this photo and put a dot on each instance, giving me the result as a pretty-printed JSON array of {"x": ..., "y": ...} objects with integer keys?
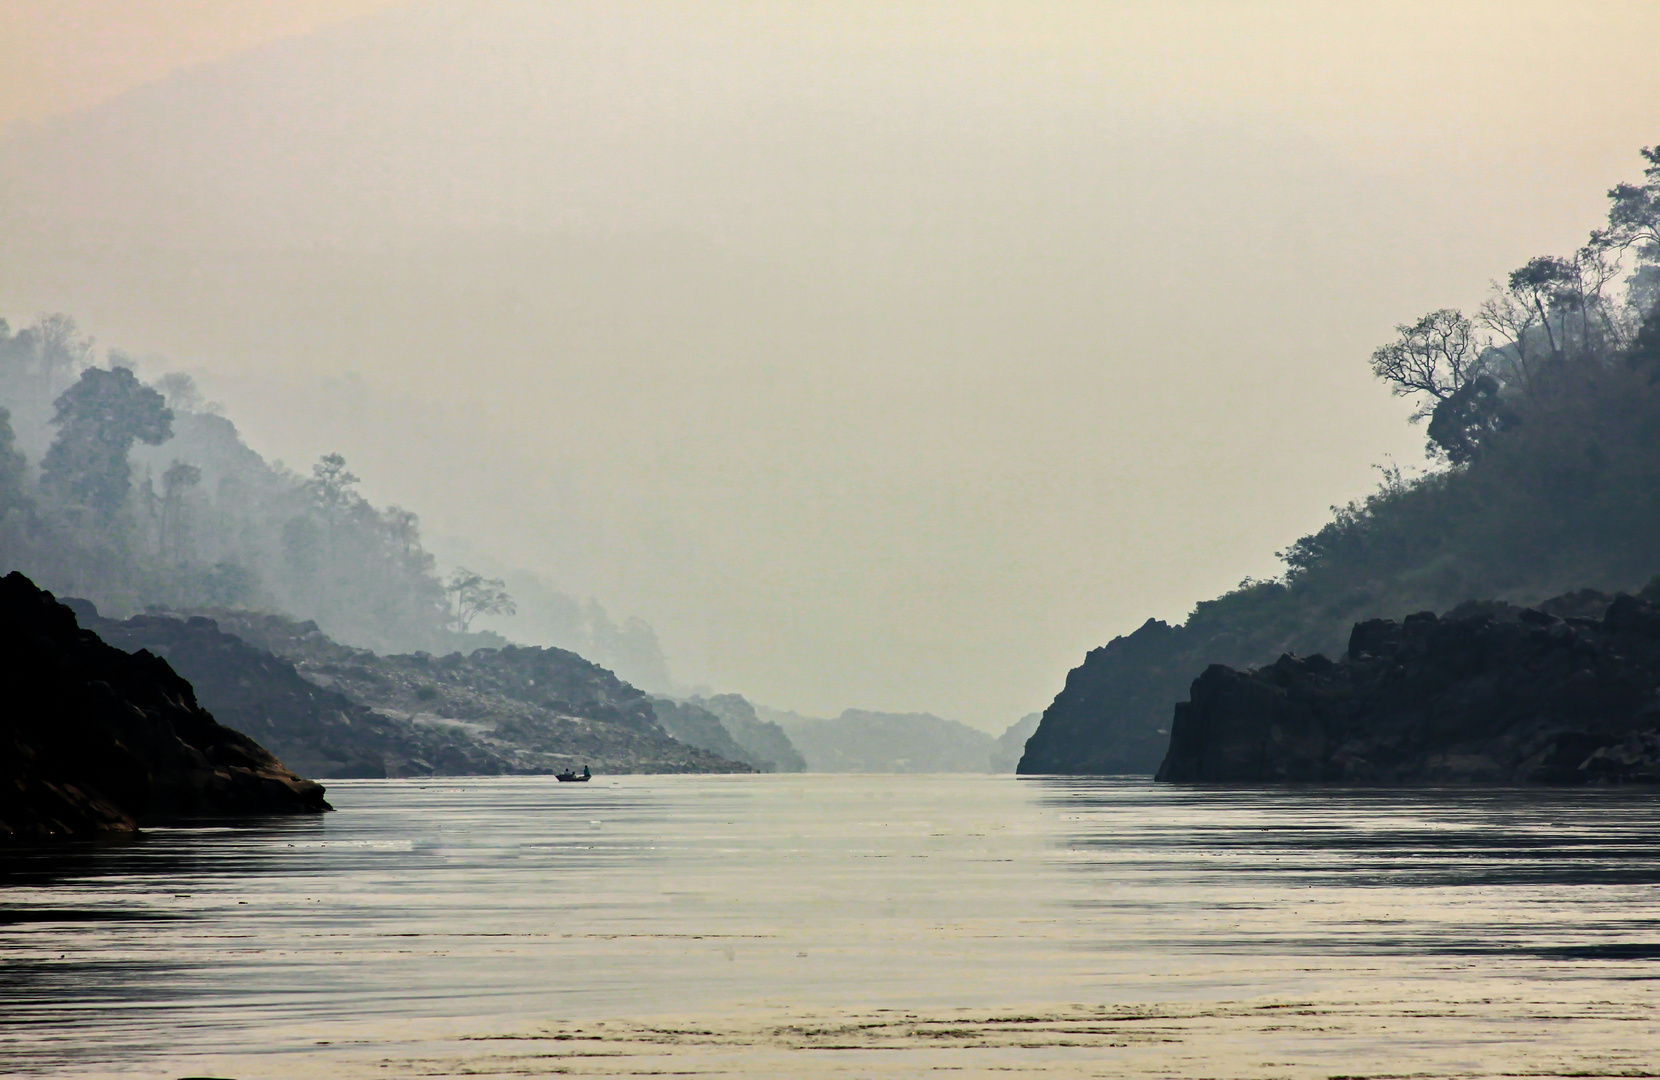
[
  {"x": 14, "y": 491},
  {"x": 179, "y": 478},
  {"x": 473, "y": 594},
  {"x": 1548, "y": 285},
  {"x": 99, "y": 419},
  {"x": 1634, "y": 213},
  {"x": 333, "y": 490},
  {"x": 1434, "y": 357}
]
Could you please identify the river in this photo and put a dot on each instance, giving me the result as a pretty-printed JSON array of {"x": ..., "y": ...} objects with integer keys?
[{"x": 849, "y": 926}]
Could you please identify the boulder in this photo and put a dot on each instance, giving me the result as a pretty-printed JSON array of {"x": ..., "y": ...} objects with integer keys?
[{"x": 96, "y": 740}]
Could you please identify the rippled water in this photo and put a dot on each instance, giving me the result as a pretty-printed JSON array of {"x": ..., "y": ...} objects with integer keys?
[{"x": 850, "y": 926}]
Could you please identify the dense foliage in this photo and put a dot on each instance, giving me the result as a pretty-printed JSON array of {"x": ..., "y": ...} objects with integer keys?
[
  {"x": 1545, "y": 412},
  {"x": 139, "y": 495},
  {"x": 1544, "y": 421}
]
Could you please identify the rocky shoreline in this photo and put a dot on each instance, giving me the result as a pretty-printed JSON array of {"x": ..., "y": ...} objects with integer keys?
[
  {"x": 97, "y": 741},
  {"x": 1566, "y": 693},
  {"x": 341, "y": 712}
]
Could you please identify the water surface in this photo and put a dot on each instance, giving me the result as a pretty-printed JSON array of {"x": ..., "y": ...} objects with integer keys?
[{"x": 849, "y": 926}]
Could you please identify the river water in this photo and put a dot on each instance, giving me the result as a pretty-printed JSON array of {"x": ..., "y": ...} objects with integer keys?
[{"x": 849, "y": 926}]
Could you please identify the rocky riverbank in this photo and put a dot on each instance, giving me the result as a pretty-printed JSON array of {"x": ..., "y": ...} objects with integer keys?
[
  {"x": 348, "y": 712},
  {"x": 1564, "y": 693},
  {"x": 1113, "y": 715},
  {"x": 96, "y": 740}
]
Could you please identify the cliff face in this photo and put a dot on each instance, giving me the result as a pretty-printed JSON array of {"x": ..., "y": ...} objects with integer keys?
[
  {"x": 96, "y": 740},
  {"x": 1489, "y": 694},
  {"x": 1113, "y": 715}
]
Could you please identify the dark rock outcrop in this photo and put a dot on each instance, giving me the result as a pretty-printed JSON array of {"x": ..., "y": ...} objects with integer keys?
[
  {"x": 1489, "y": 694},
  {"x": 1112, "y": 717},
  {"x": 96, "y": 740}
]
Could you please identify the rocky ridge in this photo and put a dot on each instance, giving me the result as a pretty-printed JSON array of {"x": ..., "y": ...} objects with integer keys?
[
  {"x": 764, "y": 740},
  {"x": 96, "y": 740},
  {"x": 1567, "y": 692},
  {"x": 321, "y": 731},
  {"x": 696, "y": 726},
  {"x": 1112, "y": 716},
  {"x": 509, "y": 710},
  {"x": 1011, "y": 745}
]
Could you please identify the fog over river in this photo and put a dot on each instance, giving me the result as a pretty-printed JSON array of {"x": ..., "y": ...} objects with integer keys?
[{"x": 803, "y": 925}]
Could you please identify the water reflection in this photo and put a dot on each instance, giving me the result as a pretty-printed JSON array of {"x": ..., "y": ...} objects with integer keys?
[{"x": 470, "y": 905}]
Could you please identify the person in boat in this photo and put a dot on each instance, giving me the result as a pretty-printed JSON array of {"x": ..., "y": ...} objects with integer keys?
[{"x": 585, "y": 772}]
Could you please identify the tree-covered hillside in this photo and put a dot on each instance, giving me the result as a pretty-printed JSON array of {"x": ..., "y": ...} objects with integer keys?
[
  {"x": 138, "y": 494},
  {"x": 1543, "y": 421}
]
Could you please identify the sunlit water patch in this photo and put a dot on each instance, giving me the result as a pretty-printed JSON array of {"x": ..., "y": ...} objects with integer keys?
[{"x": 849, "y": 926}]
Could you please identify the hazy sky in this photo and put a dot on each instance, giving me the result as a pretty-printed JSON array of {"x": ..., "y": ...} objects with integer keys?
[{"x": 881, "y": 355}]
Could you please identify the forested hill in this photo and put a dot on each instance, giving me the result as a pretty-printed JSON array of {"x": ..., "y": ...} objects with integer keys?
[
  {"x": 138, "y": 494},
  {"x": 1542, "y": 411}
]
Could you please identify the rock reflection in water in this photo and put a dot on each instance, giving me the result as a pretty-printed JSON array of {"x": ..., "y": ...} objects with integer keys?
[{"x": 797, "y": 924}]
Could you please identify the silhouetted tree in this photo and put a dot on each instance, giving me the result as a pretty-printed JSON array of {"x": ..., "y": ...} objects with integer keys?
[
  {"x": 333, "y": 490},
  {"x": 1634, "y": 213},
  {"x": 1546, "y": 284},
  {"x": 99, "y": 419},
  {"x": 1435, "y": 357},
  {"x": 472, "y": 595}
]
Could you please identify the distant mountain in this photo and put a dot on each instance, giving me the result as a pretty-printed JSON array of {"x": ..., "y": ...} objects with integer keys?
[
  {"x": 1012, "y": 743},
  {"x": 860, "y": 741},
  {"x": 693, "y": 725},
  {"x": 762, "y": 738}
]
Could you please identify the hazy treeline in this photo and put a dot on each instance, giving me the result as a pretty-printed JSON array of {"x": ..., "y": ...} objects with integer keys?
[
  {"x": 137, "y": 494},
  {"x": 1542, "y": 412},
  {"x": 1543, "y": 409}
]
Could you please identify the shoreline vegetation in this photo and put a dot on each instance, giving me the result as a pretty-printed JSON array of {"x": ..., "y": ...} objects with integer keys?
[{"x": 1542, "y": 412}]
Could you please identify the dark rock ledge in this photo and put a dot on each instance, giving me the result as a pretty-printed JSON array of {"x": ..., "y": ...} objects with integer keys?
[
  {"x": 94, "y": 740},
  {"x": 1489, "y": 694}
]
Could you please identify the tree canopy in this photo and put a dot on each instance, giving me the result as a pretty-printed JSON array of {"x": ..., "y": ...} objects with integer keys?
[{"x": 99, "y": 419}]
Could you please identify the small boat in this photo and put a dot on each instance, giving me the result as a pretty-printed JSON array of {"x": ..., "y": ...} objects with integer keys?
[{"x": 571, "y": 776}]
